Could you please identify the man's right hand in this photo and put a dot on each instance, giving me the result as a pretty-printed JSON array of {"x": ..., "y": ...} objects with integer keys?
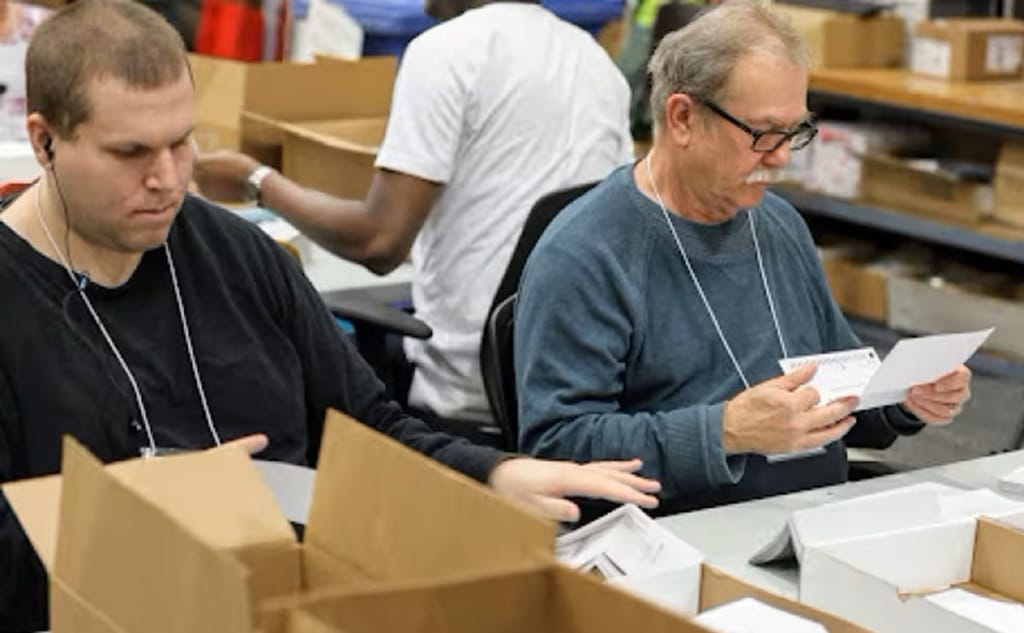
[
  {"x": 222, "y": 175},
  {"x": 779, "y": 416}
]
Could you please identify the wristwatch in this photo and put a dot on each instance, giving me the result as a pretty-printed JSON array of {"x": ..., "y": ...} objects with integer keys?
[{"x": 254, "y": 183}]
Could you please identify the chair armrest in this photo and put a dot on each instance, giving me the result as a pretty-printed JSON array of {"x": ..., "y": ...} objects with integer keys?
[{"x": 371, "y": 312}]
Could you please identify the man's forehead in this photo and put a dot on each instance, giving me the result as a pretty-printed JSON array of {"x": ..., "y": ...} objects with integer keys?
[{"x": 117, "y": 109}]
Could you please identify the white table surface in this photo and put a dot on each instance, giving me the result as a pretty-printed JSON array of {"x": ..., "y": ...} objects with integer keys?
[{"x": 729, "y": 535}]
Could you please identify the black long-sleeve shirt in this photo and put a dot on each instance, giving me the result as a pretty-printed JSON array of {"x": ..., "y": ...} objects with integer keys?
[{"x": 271, "y": 357}]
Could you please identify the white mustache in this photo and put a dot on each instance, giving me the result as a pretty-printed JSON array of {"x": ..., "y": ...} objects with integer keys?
[{"x": 764, "y": 176}]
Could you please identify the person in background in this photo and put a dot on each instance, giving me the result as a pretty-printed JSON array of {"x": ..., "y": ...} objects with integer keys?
[
  {"x": 141, "y": 319},
  {"x": 653, "y": 312},
  {"x": 17, "y": 22},
  {"x": 493, "y": 108}
]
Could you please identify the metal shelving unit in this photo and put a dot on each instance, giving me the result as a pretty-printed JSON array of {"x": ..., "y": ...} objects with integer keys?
[{"x": 896, "y": 222}]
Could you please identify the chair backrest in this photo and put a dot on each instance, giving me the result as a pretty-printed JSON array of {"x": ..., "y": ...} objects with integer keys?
[{"x": 496, "y": 347}]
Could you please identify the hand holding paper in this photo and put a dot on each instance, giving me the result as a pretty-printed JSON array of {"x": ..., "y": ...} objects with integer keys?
[
  {"x": 780, "y": 417},
  {"x": 927, "y": 372},
  {"x": 940, "y": 401}
]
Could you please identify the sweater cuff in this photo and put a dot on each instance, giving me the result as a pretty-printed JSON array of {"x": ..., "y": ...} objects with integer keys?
[
  {"x": 723, "y": 469},
  {"x": 903, "y": 421},
  {"x": 483, "y": 462}
]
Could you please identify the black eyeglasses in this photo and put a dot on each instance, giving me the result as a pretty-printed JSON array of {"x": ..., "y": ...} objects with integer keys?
[{"x": 770, "y": 139}]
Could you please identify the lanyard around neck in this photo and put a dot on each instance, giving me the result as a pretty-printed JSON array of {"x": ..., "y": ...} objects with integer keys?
[{"x": 700, "y": 289}]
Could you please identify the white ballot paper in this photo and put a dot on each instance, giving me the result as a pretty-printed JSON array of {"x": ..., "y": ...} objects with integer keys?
[
  {"x": 749, "y": 615},
  {"x": 912, "y": 361},
  {"x": 627, "y": 548}
]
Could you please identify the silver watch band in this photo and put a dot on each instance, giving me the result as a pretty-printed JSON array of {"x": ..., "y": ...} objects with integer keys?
[{"x": 254, "y": 183}]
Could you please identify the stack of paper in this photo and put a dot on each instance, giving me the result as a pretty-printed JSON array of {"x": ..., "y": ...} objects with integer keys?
[
  {"x": 627, "y": 548},
  {"x": 749, "y": 615}
]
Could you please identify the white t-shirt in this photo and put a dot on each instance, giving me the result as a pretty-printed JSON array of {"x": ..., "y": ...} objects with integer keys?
[{"x": 502, "y": 105}]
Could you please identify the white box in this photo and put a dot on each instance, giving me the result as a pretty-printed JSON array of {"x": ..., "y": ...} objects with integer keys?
[{"x": 895, "y": 582}]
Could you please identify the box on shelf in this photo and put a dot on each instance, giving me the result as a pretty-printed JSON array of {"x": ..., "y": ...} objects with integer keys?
[
  {"x": 962, "y": 576},
  {"x": 832, "y": 164},
  {"x": 930, "y": 306},
  {"x": 969, "y": 49},
  {"x": 197, "y": 542},
  {"x": 923, "y": 187},
  {"x": 1009, "y": 185},
  {"x": 846, "y": 40},
  {"x": 859, "y": 286}
]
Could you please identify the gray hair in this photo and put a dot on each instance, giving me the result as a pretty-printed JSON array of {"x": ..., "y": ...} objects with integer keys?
[{"x": 699, "y": 58}]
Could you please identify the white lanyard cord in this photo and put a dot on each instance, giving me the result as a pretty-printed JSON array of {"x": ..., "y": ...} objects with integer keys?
[
  {"x": 700, "y": 289},
  {"x": 191, "y": 351},
  {"x": 80, "y": 286}
]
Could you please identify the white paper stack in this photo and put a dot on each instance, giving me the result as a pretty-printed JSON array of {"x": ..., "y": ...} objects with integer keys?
[{"x": 627, "y": 548}]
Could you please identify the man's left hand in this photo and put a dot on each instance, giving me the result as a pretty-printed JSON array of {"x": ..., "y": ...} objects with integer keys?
[
  {"x": 542, "y": 485},
  {"x": 940, "y": 401}
]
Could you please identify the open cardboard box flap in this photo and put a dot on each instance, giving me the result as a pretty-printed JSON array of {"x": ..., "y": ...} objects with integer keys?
[{"x": 196, "y": 541}]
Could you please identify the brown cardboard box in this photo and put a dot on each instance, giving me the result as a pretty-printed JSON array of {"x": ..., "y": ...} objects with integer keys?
[
  {"x": 271, "y": 91},
  {"x": 196, "y": 542},
  {"x": 329, "y": 90},
  {"x": 859, "y": 287},
  {"x": 334, "y": 156},
  {"x": 904, "y": 185},
  {"x": 717, "y": 588},
  {"x": 969, "y": 49},
  {"x": 845, "y": 40},
  {"x": 541, "y": 599},
  {"x": 1009, "y": 185}
]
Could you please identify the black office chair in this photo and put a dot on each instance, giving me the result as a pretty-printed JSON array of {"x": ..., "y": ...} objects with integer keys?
[
  {"x": 497, "y": 343},
  {"x": 375, "y": 316}
]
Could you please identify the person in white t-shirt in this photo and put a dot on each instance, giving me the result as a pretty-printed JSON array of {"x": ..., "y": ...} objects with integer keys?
[{"x": 493, "y": 108}]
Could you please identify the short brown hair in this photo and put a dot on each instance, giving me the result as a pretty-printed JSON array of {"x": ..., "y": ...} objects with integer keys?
[{"x": 97, "y": 39}]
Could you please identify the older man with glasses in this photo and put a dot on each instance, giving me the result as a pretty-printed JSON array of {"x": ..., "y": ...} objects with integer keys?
[{"x": 654, "y": 311}]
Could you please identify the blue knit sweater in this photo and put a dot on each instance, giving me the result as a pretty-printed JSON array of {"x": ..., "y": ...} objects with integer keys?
[{"x": 616, "y": 356}]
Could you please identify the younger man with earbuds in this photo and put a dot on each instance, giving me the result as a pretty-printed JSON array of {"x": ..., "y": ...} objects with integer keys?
[{"x": 138, "y": 318}]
